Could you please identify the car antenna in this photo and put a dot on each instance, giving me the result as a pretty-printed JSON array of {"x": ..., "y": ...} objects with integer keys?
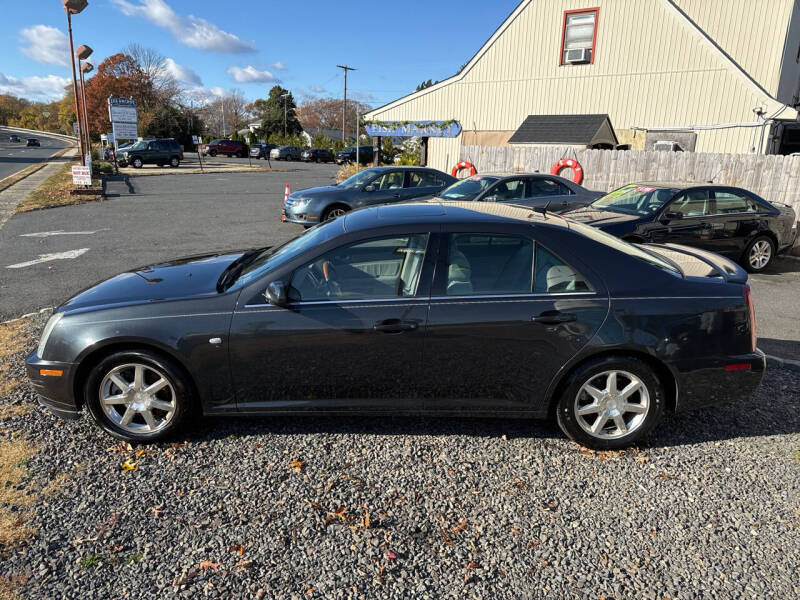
[
  {"x": 714, "y": 177},
  {"x": 544, "y": 208}
]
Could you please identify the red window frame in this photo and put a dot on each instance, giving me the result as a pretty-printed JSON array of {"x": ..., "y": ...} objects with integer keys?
[{"x": 596, "y": 11}]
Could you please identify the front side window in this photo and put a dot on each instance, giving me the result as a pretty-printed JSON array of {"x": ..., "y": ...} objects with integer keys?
[
  {"x": 359, "y": 179},
  {"x": 391, "y": 180},
  {"x": 579, "y": 36},
  {"x": 481, "y": 263},
  {"x": 732, "y": 203},
  {"x": 387, "y": 267},
  {"x": 510, "y": 189},
  {"x": 541, "y": 188},
  {"x": 554, "y": 276},
  {"x": 694, "y": 203}
]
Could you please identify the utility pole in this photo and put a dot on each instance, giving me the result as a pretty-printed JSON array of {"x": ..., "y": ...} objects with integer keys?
[
  {"x": 345, "y": 68},
  {"x": 285, "y": 100}
]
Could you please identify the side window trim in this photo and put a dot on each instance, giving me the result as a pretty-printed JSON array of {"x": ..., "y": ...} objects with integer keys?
[
  {"x": 591, "y": 291},
  {"x": 711, "y": 203},
  {"x": 732, "y": 191}
]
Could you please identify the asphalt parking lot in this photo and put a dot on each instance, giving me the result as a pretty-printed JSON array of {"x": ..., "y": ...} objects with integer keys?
[{"x": 168, "y": 216}]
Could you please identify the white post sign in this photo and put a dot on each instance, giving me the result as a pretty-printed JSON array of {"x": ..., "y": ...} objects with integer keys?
[
  {"x": 81, "y": 175},
  {"x": 123, "y": 116}
]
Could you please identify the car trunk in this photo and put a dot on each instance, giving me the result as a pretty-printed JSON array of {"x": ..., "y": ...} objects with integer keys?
[{"x": 699, "y": 263}]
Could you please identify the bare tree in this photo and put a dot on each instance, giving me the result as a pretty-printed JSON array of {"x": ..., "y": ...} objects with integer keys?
[
  {"x": 225, "y": 114},
  {"x": 153, "y": 65}
]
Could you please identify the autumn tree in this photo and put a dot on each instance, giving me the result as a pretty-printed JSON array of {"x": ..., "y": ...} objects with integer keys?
[{"x": 326, "y": 113}]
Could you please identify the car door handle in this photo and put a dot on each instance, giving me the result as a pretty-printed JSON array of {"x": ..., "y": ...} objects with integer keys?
[
  {"x": 554, "y": 317},
  {"x": 394, "y": 326}
]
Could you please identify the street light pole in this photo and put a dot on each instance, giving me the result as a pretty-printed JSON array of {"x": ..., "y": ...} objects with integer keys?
[
  {"x": 285, "y": 100},
  {"x": 73, "y": 7},
  {"x": 82, "y": 53}
]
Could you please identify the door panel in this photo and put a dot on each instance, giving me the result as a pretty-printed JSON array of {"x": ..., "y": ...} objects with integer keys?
[
  {"x": 694, "y": 228},
  {"x": 734, "y": 223}
]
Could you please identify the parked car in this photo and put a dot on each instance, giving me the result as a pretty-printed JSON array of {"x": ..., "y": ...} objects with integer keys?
[
  {"x": 728, "y": 220},
  {"x": 14, "y": 138},
  {"x": 108, "y": 153},
  {"x": 163, "y": 151},
  {"x": 261, "y": 150},
  {"x": 228, "y": 147},
  {"x": 526, "y": 189},
  {"x": 378, "y": 185},
  {"x": 285, "y": 153},
  {"x": 317, "y": 155},
  {"x": 33, "y": 142},
  {"x": 348, "y": 155},
  {"x": 519, "y": 314}
]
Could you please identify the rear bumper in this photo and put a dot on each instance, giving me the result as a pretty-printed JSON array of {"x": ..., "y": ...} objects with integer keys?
[
  {"x": 55, "y": 391},
  {"x": 736, "y": 378}
]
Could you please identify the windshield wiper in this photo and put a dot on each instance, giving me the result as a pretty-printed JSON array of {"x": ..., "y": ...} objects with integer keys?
[{"x": 233, "y": 270}]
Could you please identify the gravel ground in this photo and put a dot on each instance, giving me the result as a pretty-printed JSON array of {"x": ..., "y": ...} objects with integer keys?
[{"x": 422, "y": 508}]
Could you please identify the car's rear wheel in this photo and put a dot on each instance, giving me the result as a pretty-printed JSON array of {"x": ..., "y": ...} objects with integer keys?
[
  {"x": 212, "y": 153},
  {"x": 759, "y": 254},
  {"x": 174, "y": 162},
  {"x": 138, "y": 396},
  {"x": 337, "y": 210},
  {"x": 137, "y": 163},
  {"x": 610, "y": 403}
]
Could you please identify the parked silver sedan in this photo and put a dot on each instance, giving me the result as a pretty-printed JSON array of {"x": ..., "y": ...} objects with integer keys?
[{"x": 535, "y": 190}]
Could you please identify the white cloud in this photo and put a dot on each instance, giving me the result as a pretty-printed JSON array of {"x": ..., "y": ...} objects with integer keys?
[
  {"x": 43, "y": 89},
  {"x": 192, "y": 31},
  {"x": 317, "y": 89},
  {"x": 45, "y": 44},
  {"x": 250, "y": 74},
  {"x": 363, "y": 96},
  {"x": 278, "y": 65},
  {"x": 182, "y": 74}
]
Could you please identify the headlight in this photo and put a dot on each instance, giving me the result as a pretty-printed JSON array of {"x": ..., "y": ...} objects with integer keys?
[{"x": 48, "y": 329}]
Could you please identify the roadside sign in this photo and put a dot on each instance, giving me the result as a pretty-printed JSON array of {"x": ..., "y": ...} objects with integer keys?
[
  {"x": 125, "y": 114},
  {"x": 124, "y": 131},
  {"x": 103, "y": 137},
  {"x": 195, "y": 139},
  {"x": 81, "y": 175},
  {"x": 75, "y": 128}
]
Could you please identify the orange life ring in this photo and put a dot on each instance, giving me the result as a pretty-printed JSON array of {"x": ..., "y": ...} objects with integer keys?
[
  {"x": 569, "y": 163},
  {"x": 464, "y": 165}
]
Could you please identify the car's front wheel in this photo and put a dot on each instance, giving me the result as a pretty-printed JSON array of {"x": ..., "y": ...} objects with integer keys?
[
  {"x": 137, "y": 163},
  {"x": 759, "y": 254},
  {"x": 332, "y": 212},
  {"x": 610, "y": 403},
  {"x": 212, "y": 153},
  {"x": 174, "y": 162},
  {"x": 138, "y": 396}
]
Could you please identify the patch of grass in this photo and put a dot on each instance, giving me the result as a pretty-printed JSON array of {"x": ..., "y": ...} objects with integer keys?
[
  {"x": 796, "y": 454},
  {"x": 134, "y": 558},
  {"x": 55, "y": 192},
  {"x": 9, "y": 411},
  {"x": 14, "y": 496},
  {"x": 8, "y": 590},
  {"x": 90, "y": 561},
  {"x": 14, "y": 338}
]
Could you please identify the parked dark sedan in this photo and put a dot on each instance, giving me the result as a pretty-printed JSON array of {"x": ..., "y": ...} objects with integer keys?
[
  {"x": 317, "y": 155},
  {"x": 378, "y": 185},
  {"x": 519, "y": 314},
  {"x": 33, "y": 142},
  {"x": 364, "y": 155},
  {"x": 526, "y": 189},
  {"x": 728, "y": 220},
  {"x": 261, "y": 150}
]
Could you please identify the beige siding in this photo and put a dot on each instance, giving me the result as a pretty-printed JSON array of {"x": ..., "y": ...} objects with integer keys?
[
  {"x": 754, "y": 33},
  {"x": 652, "y": 68}
]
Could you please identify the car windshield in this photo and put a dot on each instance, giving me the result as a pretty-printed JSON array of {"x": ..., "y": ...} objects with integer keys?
[
  {"x": 635, "y": 199},
  {"x": 277, "y": 255},
  {"x": 598, "y": 235},
  {"x": 467, "y": 189},
  {"x": 139, "y": 146},
  {"x": 359, "y": 179}
]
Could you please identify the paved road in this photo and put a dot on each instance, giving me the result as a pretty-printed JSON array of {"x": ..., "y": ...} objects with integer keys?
[
  {"x": 16, "y": 156},
  {"x": 168, "y": 216}
]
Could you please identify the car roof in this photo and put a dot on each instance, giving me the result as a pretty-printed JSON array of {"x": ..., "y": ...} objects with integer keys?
[
  {"x": 678, "y": 185},
  {"x": 436, "y": 211}
]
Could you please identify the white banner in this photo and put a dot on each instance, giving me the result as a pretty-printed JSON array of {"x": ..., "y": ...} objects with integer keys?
[
  {"x": 124, "y": 131},
  {"x": 122, "y": 114},
  {"x": 81, "y": 175}
]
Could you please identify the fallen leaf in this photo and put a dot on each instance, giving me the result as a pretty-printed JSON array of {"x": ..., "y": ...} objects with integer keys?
[
  {"x": 390, "y": 555},
  {"x": 533, "y": 544},
  {"x": 297, "y": 464},
  {"x": 207, "y": 564},
  {"x": 462, "y": 525},
  {"x": 366, "y": 518},
  {"x": 184, "y": 579},
  {"x": 239, "y": 549},
  {"x": 473, "y": 565},
  {"x": 309, "y": 591},
  {"x": 314, "y": 504},
  {"x": 642, "y": 459},
  {"x": 129, "y": 465},
  {"x": 244, "y": 564}
]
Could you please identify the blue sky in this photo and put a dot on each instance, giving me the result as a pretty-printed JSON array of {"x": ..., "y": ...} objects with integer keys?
[{"x": 216, "y": 45}]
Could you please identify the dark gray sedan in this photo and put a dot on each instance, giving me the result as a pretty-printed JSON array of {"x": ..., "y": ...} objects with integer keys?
[
  {"x": 378, "y": 185},
  {"x": 524, "y": 189}
]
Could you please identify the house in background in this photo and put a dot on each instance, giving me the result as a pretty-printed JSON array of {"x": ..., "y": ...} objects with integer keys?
[{"x": 706, "y": 75}]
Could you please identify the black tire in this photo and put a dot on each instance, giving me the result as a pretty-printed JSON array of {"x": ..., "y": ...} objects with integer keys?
[
  {"x": 185, "y": 403},
  {"x": 754, "y": 255},
  {"x": 326, "y": 214},
  {"x": 174, "y": 162},
  {"x": 595, "y": 370},
  {"x": 212, "y": 153},
  {"x": 137, "y": 163}
]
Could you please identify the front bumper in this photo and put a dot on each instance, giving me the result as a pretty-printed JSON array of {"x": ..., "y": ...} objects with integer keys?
[
  {"x": 302, "y": 216},
  {"x": 734, "y": 378},
  {"x": 55, "y": 391}
]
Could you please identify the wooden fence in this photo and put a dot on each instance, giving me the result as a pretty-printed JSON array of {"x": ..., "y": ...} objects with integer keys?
[{"x": 774, "y": 177}]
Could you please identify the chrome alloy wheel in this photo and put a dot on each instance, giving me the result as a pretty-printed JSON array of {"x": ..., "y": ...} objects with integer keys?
[
  {"x": 612, "y": 404},
  {"x": 760, "y": 254},
  {"x": 336, "y": 212},
  {"x": 138, "y": 398}
]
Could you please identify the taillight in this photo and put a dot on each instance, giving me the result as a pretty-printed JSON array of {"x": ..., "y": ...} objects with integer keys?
[{"x": 748, "y": 299}]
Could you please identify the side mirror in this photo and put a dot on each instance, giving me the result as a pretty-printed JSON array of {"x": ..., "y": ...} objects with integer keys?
[
  {"x": 369, "y": 188},
  {"x": 276, "y": 294}
]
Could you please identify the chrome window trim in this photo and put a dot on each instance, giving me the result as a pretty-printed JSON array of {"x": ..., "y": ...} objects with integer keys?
[
  {"x": 331, "y": 302},
  {"x": 501, "y": 296}
]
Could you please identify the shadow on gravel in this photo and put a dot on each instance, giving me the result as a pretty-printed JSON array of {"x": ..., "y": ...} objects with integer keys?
[
  {"x": 788, "y": 349},
  {"x": 773, "y": 411}
]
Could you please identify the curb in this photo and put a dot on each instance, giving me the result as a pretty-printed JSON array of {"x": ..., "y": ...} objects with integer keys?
[{"x": 783, "y": 363}]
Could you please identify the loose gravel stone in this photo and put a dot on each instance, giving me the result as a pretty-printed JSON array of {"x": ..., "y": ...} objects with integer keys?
[{"x": 425, "y": 508}]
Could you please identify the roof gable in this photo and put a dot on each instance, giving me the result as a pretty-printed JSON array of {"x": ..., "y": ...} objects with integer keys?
[{"x": 585, "y": 130}]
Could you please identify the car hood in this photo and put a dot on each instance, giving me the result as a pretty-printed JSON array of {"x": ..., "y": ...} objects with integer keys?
[
  {"x": 193, "y": 276},
  {"x": 599, "y": 217},
  {"x": 324, "y": 191}
]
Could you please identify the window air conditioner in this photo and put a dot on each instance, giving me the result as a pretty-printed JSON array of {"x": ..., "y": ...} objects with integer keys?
[{"x": 577, "y": 55}]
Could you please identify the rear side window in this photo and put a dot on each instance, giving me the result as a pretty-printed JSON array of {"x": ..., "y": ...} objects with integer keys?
[
  {"x": 423, "y": 179},
  {"x": 730, "y": 202},
  {"x": 489, "y": 264},
  {"x": 554, "y": 276}
]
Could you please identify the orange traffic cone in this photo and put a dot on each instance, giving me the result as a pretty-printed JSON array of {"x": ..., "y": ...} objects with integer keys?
[{"x": 286, "y": 194}]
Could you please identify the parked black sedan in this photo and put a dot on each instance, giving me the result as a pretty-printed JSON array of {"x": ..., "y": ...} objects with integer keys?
[
  {"x": 525, "y": 189},
  {"x": 316, "y": 155},
  {"x": 378, "y": 185},
  {"x": 438, "y": 308},
  {"x": 727, "y": 220}
]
